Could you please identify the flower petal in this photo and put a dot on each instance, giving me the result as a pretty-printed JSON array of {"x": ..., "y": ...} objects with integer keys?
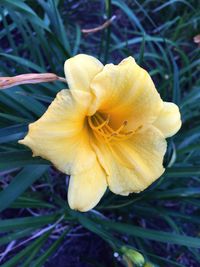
[
  {"x": 80, "y": 70},
  {"x": 86, "y": 189},
  {"x": 126, "y": 92},
  {"x": 61, "y": 134},
  {"x": 134, "y": 164},
  {"x": 169, "y": 119}
]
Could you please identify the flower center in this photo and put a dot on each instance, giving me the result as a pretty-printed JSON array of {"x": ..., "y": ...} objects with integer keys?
[{"x": 99, "y": 123}]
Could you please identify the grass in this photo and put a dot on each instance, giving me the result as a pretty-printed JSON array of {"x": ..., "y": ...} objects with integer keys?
[{"x": 161, "y": 223}]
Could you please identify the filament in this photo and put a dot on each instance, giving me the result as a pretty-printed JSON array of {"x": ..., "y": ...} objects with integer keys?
[{"x": 101, "y": 128}]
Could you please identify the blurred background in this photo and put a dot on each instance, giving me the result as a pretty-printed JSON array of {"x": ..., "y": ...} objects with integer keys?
[{"x": 37, "y": 228}]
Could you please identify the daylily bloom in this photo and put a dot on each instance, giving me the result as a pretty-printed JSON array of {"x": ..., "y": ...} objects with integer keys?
[{"x": 107, "y": 130}]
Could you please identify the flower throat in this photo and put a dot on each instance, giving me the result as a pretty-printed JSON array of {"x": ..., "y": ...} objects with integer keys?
[{"x": 99, "y": 123}]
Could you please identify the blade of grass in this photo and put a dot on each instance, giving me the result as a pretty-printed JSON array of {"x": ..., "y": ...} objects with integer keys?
[
  {"x": 42, "y": 259},
  {"x": 20, "y": 183},
  {"x": 27, "y": 222},
  {"x": 160, "y": 236}
]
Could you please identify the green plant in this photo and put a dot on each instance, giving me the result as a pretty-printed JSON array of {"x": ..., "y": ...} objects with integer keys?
[{"x": 38, "y": 36}]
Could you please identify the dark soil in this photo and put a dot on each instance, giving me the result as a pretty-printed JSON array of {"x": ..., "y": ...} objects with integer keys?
[{"x": 83, "y": 250}]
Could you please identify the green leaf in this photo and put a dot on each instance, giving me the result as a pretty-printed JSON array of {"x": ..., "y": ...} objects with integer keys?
[
  {"x": 12, "y": 133},
  {"x": 23, "y": 62},
  {"x": 16, "y": 235},
  {"x": 13, "y": 262},
  {"x": 144, "y": 233},
  {"x": 18, "y": 159},
  {"x": 27, "y": 222},
  {"x": 129, "y": 12},
  {"x": 183, "y": 171},
  {"x": 42, "y": 259},
  {"x": 20, "y": 183},
  {"x": 25, "y": 10},
  {"x": 30, "y": 202}
]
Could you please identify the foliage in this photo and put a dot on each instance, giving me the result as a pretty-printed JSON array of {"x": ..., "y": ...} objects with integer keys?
[{"x": 38, "y": 36}]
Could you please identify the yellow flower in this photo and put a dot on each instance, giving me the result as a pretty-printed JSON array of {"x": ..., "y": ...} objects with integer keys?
[{"x": 109, "y": 129}]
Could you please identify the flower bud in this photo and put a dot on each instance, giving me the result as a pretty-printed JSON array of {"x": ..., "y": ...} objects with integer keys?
[
  {"x": 148, "y": 264},
  {"x": 133, "y": 255}
]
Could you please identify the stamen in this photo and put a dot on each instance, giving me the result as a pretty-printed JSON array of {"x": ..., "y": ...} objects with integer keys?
[
  {"x": 119, "y": 129},
  {"x": 101, "y": 128},
  {"x": 121, "y": 137},
  {"x": 107, "y": 129}
]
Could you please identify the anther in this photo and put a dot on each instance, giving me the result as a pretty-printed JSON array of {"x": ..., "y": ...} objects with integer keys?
[
  {"x": 120, "y": 128},
  {"x": 101, "y": 128}
]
